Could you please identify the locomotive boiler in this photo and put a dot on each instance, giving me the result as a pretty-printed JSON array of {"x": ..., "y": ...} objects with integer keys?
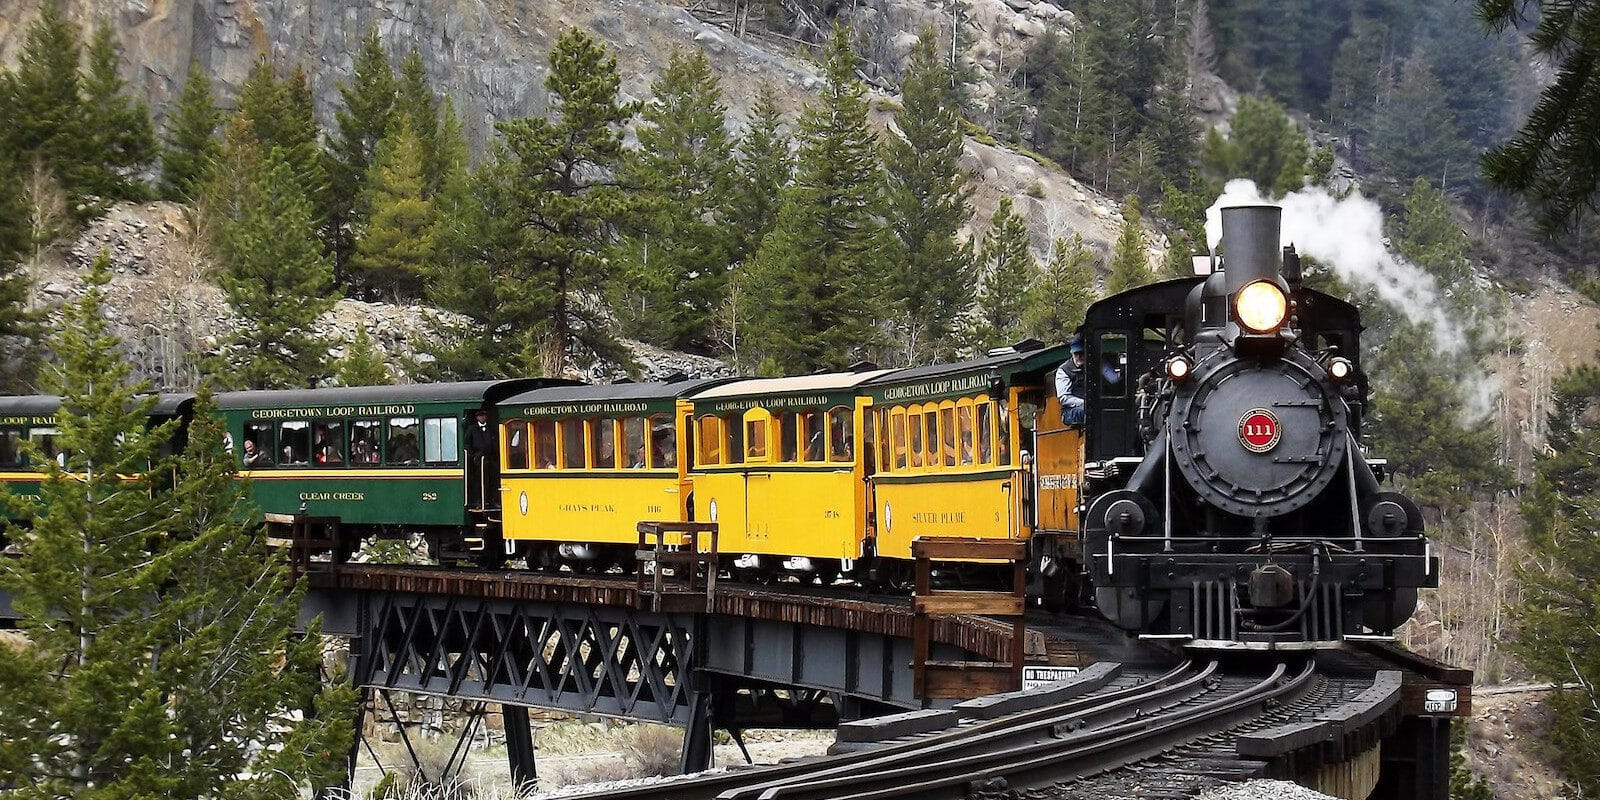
[{"x": 1229, "y": 500}]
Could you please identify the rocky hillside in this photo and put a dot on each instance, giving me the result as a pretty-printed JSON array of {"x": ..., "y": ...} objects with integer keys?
[
  {"x": 164, "y": 305},
  {"x": 489, "y": 56}
]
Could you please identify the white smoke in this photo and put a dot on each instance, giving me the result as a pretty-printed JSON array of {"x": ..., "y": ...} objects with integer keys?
[{"x": 1347, "y": 235}]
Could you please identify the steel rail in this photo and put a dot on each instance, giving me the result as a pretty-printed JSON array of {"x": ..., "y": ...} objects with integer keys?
[
  {"x": 1012, "y": 731},
  {"x": 1077, "y": 754},
  {"x": 733, "y": 783}
]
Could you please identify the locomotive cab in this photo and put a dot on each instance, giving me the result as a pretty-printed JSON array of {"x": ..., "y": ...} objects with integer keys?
[{"x": 1229, "y": 499}]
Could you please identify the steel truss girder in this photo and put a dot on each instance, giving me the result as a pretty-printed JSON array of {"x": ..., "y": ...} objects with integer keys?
[
  {"x": 590, "y": 659},
  {"x": 611, "y": 660}
]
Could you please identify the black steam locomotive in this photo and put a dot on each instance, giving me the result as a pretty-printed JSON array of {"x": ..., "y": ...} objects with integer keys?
[{"x": 1228, "y": 498}]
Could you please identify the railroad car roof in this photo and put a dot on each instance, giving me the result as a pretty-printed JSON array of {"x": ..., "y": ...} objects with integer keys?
[
  {"x": 826, "y": 383},
  {"x": 650, "y": 393},
  {"x": 463, "y": 392},
  {"x": 29, "y": 405},
  {"x": 39, "y": 405},
  {"x": 974, "y": 373}
]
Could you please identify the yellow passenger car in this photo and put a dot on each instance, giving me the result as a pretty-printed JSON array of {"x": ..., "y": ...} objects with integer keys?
[
  {"x": 976, "y": 449},
  {"x": 581, "y": 466},
  {"x": 779, "y": 464}
]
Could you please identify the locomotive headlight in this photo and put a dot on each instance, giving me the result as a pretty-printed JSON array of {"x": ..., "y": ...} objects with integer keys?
[
  {"x": 1178, "y": 368},
  {"x": 1340, "y": 369},
  {"x": 1261, "y": 306}
]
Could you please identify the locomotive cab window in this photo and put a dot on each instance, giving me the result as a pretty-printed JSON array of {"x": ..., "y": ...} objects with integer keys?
[
  {"x": 294, "y": 442},
  {"x": 10, "y": 447},
  {"x": 516, "y": 444},
  {"x": 401, "y": 446},
  {"x": 364, "y": 442},
  {"x": 439, "y": 442},
  {"x": 1112, "y": 366}
]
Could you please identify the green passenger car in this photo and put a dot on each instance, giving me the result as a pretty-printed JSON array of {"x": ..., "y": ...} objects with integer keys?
[
  {"x": 383, "y": 461},
  {"x": 33, "y": 419}
]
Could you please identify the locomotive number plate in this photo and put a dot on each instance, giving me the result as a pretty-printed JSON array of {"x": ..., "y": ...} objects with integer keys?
[{"x": 1259, "y": 430}]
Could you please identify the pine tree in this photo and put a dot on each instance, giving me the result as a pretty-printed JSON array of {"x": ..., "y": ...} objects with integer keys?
[
  {"x": 1552, "y": 159},
  {"x": 676, "y": 265},
  {"x": 160, "y": 597},
  {"x": 1415, "y": 135},
  {"x": 814, "y": 287},
  {"x": 273, "y": 271},
  {"x": 121, "y": 139},
  {"x": 45, "y": 117},
  {"x": 394, "y": 250},
  {"x": 368, "y": 114},
  {"x": 1440, "y": 459},
  {"x": 414, "y": 99},
  {"x": 1057, "y": 300},
  {"x": 928, "y": 204},
  {"x": 1128, "y": 265},
  {"x": 1431, "y": 239},
  {"x": 565, "y": 204},
  {"x": 479, "y": 234},
  {"x": 281, "y": 118},
  {"x": 765, "y": 168},
  {"x": 1263, "y": 145},
  {"x": 1560, "y": 591},
  {"x": 191, "y": 139},
  {"x": 17, "y": 323},
  {"x": 362, "y": 364},
  {"x": 1008, "y": 270}
]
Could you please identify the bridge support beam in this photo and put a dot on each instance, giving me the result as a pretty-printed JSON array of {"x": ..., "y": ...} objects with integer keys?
[
  {"x": 519, "y": 747},
  {"x": 697, "y": 740},
  {"x": 1416, "y": 761}
]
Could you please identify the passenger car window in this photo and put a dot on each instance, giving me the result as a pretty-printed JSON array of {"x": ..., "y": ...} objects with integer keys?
[
  {"x": 602, "y": 444},
  {"x": 516, "y": 433},
  {"x": 733, "y": 428},
  {"x": 439, "y": 442},
  {"x": 10, "y": 447},
  {"x": 364, "y": 441},
  {"x": 914, "y": 421},
  {"x": 710, "y": 441},
  {"x": 964, "y": 418},
  {"x": 985, "y": 434},
  {"x": 841, "y": 436},
  {"x": 294, "y": 442},
  {"x": 899, "y": 418},
  {"x": 327, "y": 444},
  {"x": 664, "y": 442},
  {"x": 544, "y": 444},
  {"x": 401, "y": 446},
  {"x": 572, "y": 444},
  {"x": 633, "y": 442}
]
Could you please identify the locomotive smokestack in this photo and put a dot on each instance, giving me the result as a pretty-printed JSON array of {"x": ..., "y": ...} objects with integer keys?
[{"x": 1250, "y": 244}]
